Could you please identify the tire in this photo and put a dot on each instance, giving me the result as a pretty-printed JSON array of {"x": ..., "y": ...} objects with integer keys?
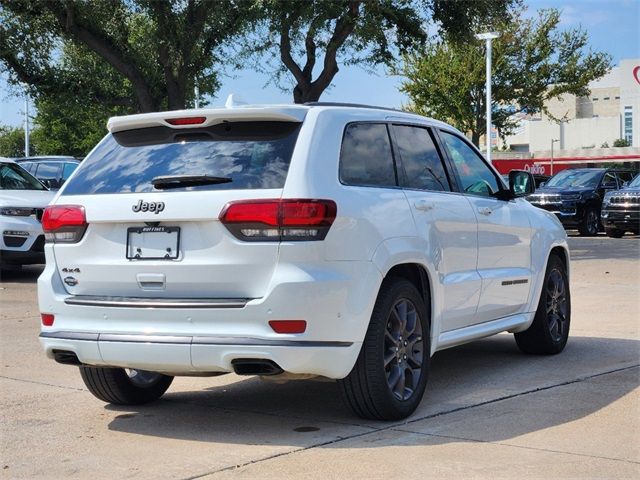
[
  {"x": 116, "y": 385},
  {"x": 549, "y": 332},
  {"x": 399, "y": 319},
  {"x": 614, "y": 232},
  {"x": 590, "y": 223}
]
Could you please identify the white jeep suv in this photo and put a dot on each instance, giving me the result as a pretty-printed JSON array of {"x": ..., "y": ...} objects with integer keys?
[{"x": 333, "y": 240}]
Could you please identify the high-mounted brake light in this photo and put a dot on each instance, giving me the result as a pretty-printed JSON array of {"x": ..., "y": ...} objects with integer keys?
[
  {"x": 279, "y": 220},
  {"x": 186, "y": 120},
  {"x": 64, "y": 223}
]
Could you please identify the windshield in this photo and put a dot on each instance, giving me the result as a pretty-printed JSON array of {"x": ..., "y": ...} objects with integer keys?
[
  {"x": 575, "y": 178},
  {"x": 635, "y": 182},
  {"x": 248, "y": 155},
  {"x": 13, "y": 177}
]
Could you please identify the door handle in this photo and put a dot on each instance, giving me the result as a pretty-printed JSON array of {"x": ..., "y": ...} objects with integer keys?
[
  {"x": 423, "y": 205},
  {"x": 485, "y": 211}
]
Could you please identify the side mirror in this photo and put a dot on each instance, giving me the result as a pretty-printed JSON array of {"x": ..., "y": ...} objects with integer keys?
[
  {"x": 542, "y": 184},
  {"x": 521, "y": 183}
]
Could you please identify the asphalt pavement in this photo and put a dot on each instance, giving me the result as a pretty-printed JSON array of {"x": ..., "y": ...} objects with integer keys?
[{"x": 489, "y": 411}]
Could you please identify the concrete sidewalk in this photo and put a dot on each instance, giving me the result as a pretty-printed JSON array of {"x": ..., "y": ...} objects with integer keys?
[{"x": 489, "y": 411}]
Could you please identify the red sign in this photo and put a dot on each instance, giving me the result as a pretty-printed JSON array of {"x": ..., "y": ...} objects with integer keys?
[{"x": 542, "y": 166}]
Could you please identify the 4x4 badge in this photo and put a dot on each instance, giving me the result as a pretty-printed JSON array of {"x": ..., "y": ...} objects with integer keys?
[{"x": 155, "y": 207}]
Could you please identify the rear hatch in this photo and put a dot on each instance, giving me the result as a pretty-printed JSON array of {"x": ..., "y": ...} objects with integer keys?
[{"x": 152, "y": 197}]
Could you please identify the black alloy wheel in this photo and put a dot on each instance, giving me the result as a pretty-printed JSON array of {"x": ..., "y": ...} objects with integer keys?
[
  {"x": 403, "y": 349},
  {"x": 556, "y": 302}
]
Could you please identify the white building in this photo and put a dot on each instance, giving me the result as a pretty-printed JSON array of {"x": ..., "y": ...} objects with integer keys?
[{"x": 610, "y": 112}]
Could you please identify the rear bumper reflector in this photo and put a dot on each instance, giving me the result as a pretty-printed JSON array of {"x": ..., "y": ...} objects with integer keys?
[
  {"x": 143, "y": 302},
  {"x": 189, "y": 340}
]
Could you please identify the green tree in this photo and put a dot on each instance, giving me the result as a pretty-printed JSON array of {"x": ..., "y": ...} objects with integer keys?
[
  {"x": 309, "y": 39},
  {"x": 621, "y": 142},
  {"x": 11, "y": 141},
  {"x": 157, "y": 48},
  {"x": 533, "y": 61}
]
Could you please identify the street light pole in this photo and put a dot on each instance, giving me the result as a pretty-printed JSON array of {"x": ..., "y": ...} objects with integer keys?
[
  {"x": 26, "y": 122},
  {"x": 552, "y": 142},
  {"x": 487, "y": 37}
]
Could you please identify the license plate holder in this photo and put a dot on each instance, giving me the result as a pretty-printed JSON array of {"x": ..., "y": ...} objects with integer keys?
[{"x": 153, "y": 243}]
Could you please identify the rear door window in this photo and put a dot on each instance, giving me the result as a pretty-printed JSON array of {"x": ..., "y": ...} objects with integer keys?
[
  {"x": 421, "y": 162},
  {"x": 252, "y": 155},
  {"x": 366, "y": 158}
]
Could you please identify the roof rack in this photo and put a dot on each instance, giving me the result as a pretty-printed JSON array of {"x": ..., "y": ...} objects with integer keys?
[{"x": 353, "y": 105}]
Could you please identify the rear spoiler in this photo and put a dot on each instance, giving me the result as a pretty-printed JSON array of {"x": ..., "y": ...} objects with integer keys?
[{"x": 205, "y": 117}]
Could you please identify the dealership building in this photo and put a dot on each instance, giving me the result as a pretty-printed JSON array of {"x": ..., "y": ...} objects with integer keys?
[
  {"x": 610, "y": 112},
  {"x": 589, "y": 125}
]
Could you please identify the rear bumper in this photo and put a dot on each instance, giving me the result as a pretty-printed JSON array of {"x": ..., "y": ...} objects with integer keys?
[
  {"x": 185, "y": 355},
  {"x": 335, "y": 298}
]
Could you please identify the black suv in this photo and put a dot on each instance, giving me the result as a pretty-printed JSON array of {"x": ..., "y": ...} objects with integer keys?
[
  {"x": 575, "y": 196},
  {"x": 621, "y": 210}
]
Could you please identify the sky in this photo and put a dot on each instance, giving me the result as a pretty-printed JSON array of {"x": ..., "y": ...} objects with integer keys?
[{"x": 612, "y": 25}]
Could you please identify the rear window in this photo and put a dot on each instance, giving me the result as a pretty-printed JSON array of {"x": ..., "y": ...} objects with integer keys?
[{"x": 254, "y": 155}]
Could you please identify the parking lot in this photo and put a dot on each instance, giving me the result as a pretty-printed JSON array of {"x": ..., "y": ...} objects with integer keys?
[{"x": 489, "y": 411}]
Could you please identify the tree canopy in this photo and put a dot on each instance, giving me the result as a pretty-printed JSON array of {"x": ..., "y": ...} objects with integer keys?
[
  {"x": 155, "y": 50},
  {"x": 533, "y": 61},
  {"x": 311, "y": 39}
]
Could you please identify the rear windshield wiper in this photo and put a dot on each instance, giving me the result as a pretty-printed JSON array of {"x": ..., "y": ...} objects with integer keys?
[{"x": 178, "y": 181}]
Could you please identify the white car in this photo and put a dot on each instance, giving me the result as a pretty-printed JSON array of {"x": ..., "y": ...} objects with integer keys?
[
  {"x": 330, "y": 240},
  {"x": 22, "y": 202}
]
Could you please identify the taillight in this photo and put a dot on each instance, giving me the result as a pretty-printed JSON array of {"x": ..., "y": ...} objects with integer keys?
[
  {"x": 64, "y": 223},
  {"x": 47, "y": 319},
  {"x": 279, "y": 220}
]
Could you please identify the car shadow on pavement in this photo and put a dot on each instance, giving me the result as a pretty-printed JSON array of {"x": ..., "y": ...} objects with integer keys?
[
  {"x": 465, "y": 380},
  {"x": 26, "y": 274}
]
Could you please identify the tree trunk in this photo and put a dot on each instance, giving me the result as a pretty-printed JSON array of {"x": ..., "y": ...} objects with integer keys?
[{"x": 475, "y": 138}]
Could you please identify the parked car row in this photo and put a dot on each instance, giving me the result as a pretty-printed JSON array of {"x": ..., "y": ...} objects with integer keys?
[{"x": 591, "y": 199}]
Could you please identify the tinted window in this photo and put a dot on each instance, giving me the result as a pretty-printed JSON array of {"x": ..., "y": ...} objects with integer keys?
[
  {"x": 475, "y": 175},
  {"x": 420, "y": 159},
  {"x": 254, "y": 155},
  {"x": 68, "y": 170},
  {"x": 366, "y": 157},
  {"x": 47, "y": 171},
  {"x": 13, "y": 177}
]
